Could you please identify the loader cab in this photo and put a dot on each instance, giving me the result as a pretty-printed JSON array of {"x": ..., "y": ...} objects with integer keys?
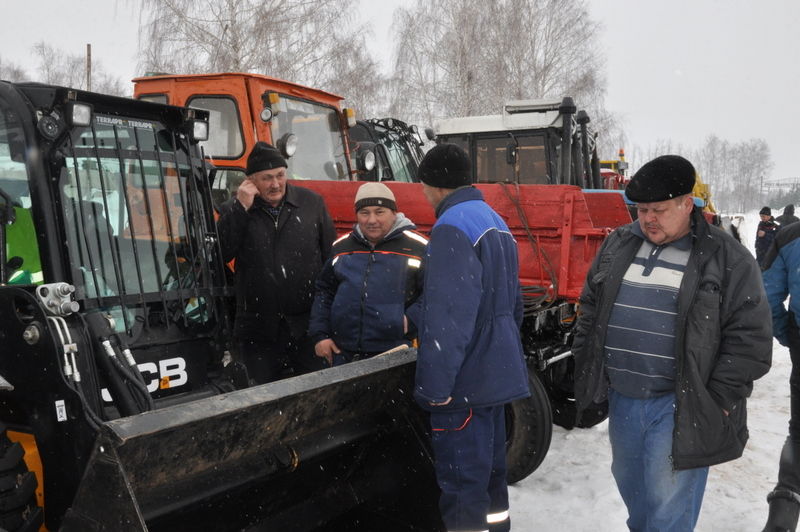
[
  {"x": 110, "y": 197},
  {"x": 307, "y": 125},
  {"x": 534, "y": 142}
]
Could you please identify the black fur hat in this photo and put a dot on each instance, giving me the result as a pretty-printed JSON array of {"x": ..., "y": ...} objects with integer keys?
[
  {"x": 264, "y": 157},
  {"x": 663, "y": 178},
  {"x": 765, "y": 210},
  {"x": 445, "y": 166}
]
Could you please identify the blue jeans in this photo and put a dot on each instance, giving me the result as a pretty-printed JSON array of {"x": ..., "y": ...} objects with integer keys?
[
  {"x": 469, "y": 447},
  {"x": 658, "y": 497}
]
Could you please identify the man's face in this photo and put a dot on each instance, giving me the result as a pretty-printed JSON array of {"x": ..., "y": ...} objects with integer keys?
[
  {"x": 375, "y": 222},
  {"x": 271, "y": 184},
  {"x": 665, "y": 221},
  {"x": 764, "y": 217}
]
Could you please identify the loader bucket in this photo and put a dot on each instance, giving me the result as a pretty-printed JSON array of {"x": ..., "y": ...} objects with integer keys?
[{"x": 340, "y": 449}]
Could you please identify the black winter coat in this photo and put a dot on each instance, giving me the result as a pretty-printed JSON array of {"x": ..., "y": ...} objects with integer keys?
[
  {"x": 276, "y": 263},
  {"x": 723, "y": 343}
]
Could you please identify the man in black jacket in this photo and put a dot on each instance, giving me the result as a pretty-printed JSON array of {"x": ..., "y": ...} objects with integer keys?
[
  {"x": 674, "y": 328},
  {"x": 366, "y": 288},
  {"x": 788, "y": 216},
  {"x": 280, "y": 235}
]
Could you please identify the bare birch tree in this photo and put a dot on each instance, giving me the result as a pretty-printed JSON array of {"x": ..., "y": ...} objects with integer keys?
[
  {"x": 467, "y": 57},
  {"x": 11, "y": 71},
  {"x": 58, "y": 67},
  {"x": 304, "y": 41}
]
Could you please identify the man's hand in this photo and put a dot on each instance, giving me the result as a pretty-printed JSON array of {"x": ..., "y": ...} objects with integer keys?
[
  {"x": 442, "y": 404},
  {"x": 762, "y": 233},
  {"x": 246, "y": 193},
  {"x": 326, "y": 349}
]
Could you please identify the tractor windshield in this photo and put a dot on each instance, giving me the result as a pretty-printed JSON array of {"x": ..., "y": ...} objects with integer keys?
[
  {"x": 131, "y": 198},
  {"x": 528, "y": 166},
  {"x": 320, "y": 146},
  {"x": 402, "y": 155}
]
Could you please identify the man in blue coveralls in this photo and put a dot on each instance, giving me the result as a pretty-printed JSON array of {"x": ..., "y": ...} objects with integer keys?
[{"x": 470, "y": 361}]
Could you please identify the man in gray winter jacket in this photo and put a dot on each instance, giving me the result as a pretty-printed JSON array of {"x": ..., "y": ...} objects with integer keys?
[{"x": 674, "y": 328}]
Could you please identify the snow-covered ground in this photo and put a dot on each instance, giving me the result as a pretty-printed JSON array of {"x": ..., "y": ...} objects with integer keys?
[{"x": 574, "y": 490}]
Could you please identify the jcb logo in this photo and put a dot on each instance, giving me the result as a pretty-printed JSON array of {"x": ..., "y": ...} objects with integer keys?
[{"x": 168, "y": 373}]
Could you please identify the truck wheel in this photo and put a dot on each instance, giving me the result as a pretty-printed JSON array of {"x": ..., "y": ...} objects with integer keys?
[
  {"x": 18, "y": 509},
  {"x": 529, "y": 428},
  {"x": 559, "y": 382}
]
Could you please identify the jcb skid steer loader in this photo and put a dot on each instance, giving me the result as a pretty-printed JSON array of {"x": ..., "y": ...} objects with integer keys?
[{"x": 117, "y": 407}]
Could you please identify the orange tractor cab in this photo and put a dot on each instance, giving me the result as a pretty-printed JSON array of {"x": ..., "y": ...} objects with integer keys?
[{"x": 307, "y": 125}]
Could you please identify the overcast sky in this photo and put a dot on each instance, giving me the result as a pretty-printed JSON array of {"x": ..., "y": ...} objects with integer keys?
[{"x": 678, "y": 70}]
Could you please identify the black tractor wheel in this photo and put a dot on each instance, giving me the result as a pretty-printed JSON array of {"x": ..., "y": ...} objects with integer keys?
[
  {"x": 558, "y": 380},
  {"x": 18, "y": 509},
  {"x": 529, "y": 429}
]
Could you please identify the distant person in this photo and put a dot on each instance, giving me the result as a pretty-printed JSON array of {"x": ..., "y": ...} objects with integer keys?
[
  {"x": 781, "y": 280},
  {"x": 373, "y": 276},
  {"x": 788, "y": 216},
  {"x": 280, "y": 236},
  {"x": 765, "y": 233},
  {"x": 470, "y": 362},
  {"x": 673, "y": 329}
]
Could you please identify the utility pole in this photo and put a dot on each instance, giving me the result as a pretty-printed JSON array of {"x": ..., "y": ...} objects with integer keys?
[{"x": 88, "y": 67}]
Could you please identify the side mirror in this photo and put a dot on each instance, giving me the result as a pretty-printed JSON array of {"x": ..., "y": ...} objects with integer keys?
[
  {"x": 210, "y": 170},
  {"x": 430, "y": 134}
]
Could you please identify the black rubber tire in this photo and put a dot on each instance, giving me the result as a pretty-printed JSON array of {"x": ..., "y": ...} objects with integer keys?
[
  {"x": 558, "y": 380},
  {"x": 19, "y": 511},
  {"x": 529, "y": 429}
]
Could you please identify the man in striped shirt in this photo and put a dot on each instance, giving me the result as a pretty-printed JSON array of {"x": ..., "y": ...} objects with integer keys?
[{"x": 673, "y": 330}]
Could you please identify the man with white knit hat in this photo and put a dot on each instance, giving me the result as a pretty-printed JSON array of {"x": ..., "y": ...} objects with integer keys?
[{"x": 364, "y": 295}]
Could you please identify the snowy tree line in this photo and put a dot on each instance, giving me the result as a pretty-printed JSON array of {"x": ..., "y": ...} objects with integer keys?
[
  {"x": 61, "y": 68},
  {"x": 733, "y": 170},
  {"x": 451, "y": 58}
]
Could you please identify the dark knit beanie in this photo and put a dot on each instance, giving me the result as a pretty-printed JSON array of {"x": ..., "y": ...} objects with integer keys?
[
  {"x": 765, "y": 210},
  {"x": 445, "y": 166},
  {"x": 264, "y": 157},
  {"x": 375, "y": 194},
  {"x": 663, "y": 178}
]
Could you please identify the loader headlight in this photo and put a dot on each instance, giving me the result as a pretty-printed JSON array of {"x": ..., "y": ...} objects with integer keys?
[
  {"x": 199, "y": 130},
  {"x": 78, "y": 114}
]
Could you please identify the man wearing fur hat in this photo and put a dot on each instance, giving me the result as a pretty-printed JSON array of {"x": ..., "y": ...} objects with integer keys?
[
  {"x": 470, "y": 361},
  {"x": 280, "y": 236},
  {"x": 674, "y": 327},
  {"x": 370, "y": 282}
]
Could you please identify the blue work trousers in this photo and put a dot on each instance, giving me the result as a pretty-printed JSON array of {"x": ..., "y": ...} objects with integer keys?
[
  {"x": 658, "y": 497},
  {"x": 469, "y": 448}
]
